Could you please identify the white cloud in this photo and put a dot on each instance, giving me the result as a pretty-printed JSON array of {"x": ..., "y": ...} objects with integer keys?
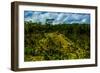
[{"x": 84, "y": 20}]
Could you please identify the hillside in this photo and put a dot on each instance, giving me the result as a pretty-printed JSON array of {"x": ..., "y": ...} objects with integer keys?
[{"x": 55, "y": 46}]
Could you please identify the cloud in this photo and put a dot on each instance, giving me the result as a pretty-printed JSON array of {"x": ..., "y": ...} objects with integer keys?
[{"x": 58, "y": 17}]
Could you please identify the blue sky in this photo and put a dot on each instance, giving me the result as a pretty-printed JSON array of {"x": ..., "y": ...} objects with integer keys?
[{"x": 58, "y": 17}]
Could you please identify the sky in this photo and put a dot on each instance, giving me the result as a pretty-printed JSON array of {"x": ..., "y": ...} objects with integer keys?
[{"x": 58, "y": 17}]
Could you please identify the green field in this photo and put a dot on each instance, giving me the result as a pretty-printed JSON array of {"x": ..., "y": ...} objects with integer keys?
[{"x": 56, "y": 42}]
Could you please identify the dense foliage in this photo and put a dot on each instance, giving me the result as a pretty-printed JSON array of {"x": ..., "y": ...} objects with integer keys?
[{"x": 56, "y": 42}]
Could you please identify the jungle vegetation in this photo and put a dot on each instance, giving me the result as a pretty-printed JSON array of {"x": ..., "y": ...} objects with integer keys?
[{"x": 56, "y": 42}]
